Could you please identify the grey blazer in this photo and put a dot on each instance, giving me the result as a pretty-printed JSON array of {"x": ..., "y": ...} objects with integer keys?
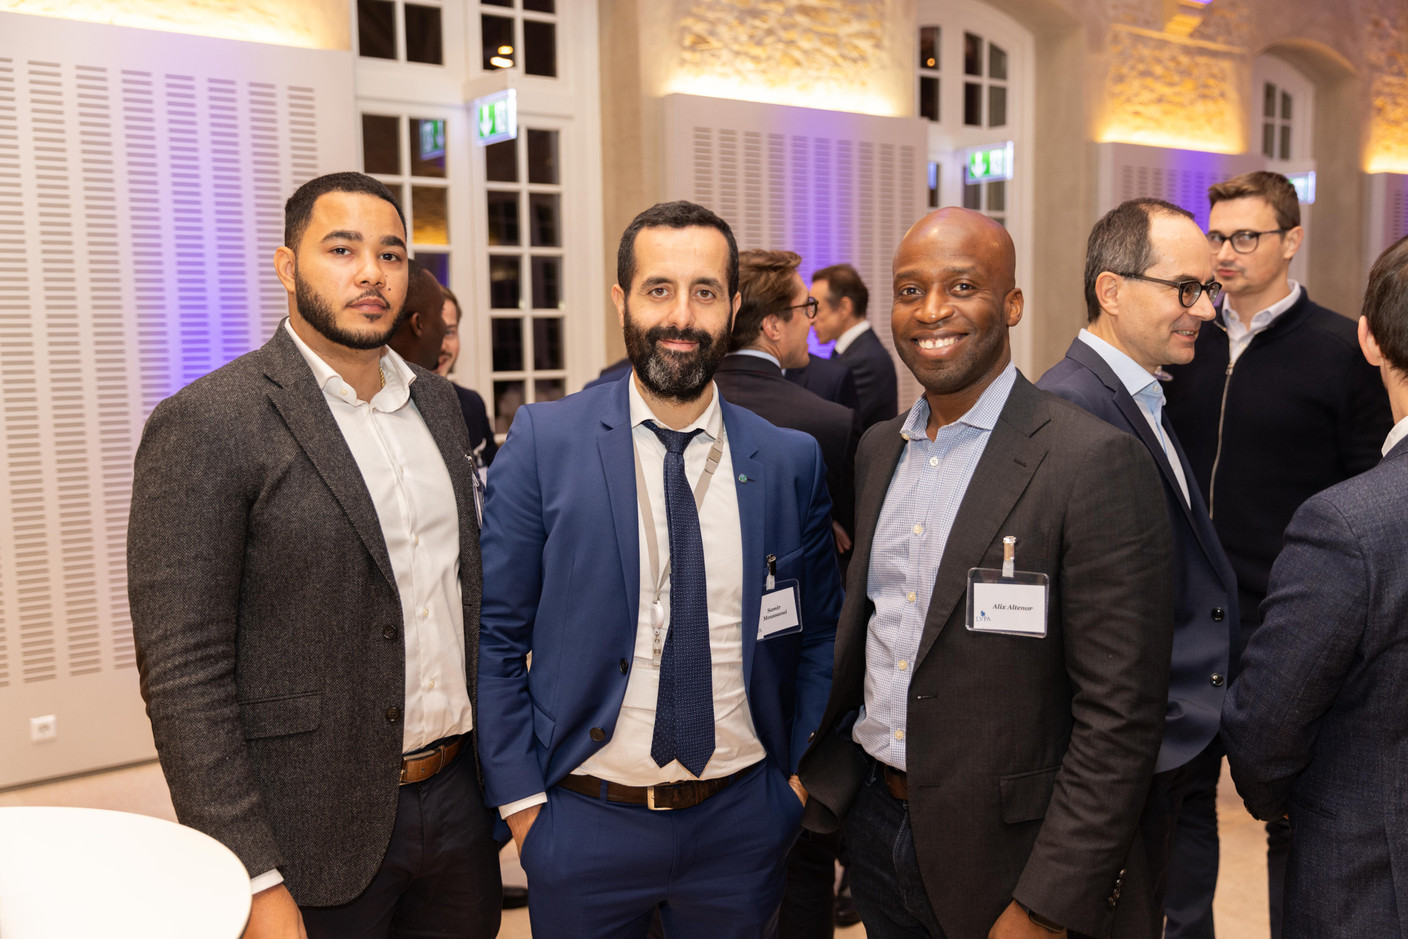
[{"x": 267, "y": 620}]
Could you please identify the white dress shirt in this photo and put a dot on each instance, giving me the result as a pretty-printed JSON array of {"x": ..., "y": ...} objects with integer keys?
[
  {"x": 1239, "y": 335},
  {"x": 843, "y": 341},
  {"x": 1399, "y": 431}
]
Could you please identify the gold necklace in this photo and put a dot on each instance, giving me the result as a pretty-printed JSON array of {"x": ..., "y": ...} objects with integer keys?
[{"x": 381, "y": 375}]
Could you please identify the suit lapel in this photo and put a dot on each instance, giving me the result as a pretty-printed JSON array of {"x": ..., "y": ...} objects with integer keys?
[
  {"x": 300, "y": 402},
  {"x": 617, "y": 452},
  {"x": 1006, "y": 467},
  {"x": 749, "y": 483}
]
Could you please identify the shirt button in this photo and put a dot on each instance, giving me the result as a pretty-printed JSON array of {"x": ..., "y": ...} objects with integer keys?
[
  {"x": 899, "y": 735},
  {"x": 910, "y": 596},
  {"x": 903, "y": 664},
  {"x": 430, "y": 684},
  {"x": 919, "y": 529},
  {"x": 424, "y": 612},
  {"x": 415, "y": 539},
  {"x": 933, "y": 461}
]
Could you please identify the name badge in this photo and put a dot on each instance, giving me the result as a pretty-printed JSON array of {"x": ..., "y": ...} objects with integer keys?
[
  {"x": 1007, "y": 602},
  {"x": 780, "y": 613}
]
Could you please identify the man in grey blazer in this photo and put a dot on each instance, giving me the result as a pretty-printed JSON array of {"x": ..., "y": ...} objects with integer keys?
[
  {"x": 304, "y": 577},
  {"x": 1316, "y": 725},
  {"x": 991, "y": 775}
]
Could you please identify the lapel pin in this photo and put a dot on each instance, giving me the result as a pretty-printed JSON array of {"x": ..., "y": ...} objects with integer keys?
[{"x": 742, "y": 477}]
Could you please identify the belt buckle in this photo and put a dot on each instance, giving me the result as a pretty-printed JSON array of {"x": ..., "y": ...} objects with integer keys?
[{"x": 650, "y": 801}]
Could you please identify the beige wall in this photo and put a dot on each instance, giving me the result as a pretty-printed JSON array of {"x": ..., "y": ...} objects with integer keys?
[{"x": 308, "y": 24}]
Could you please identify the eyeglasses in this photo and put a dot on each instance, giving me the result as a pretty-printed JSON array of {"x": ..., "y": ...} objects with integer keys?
[
  {"x": 810, "y": 306},
  {"x": 1243, "y": 242},
  {"x": 1188, "y": 290}
]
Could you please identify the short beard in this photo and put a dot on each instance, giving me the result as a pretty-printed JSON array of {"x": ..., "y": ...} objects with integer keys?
[
  {"x": 674, "y": 376},
  {"x": 321, "y": 316}
]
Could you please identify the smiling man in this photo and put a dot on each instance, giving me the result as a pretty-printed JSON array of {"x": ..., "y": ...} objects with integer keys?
[
  {"x": 303, "y": 571},
  {"x": 1149, "y": 287},
  {"x": 990, "y": 776},
  {"x": 666, "y": 559}
]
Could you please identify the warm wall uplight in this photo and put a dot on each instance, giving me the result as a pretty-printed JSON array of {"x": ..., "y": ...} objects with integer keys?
[
  {"x": 307, "y": 24},
  {"x": 1388, "y": 128},
  {"x": 821, "y": 97},
  {"x": 1154, "y": 136}
]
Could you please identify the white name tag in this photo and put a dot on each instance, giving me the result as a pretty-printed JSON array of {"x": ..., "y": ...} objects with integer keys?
[
  {"x": 1012, "y": 604},
  {"x": 780, "y": 612}
]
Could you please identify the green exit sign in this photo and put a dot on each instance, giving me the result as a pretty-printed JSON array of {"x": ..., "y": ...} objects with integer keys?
[
  {"x": 989, "y": 163},
  {"x": 496, "y": 117}
]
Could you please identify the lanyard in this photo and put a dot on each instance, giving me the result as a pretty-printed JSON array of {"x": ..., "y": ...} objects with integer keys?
[{"x": 652, "y": 543}]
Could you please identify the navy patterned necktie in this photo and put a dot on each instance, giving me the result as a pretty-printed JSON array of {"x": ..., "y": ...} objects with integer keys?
[{"x": 684, "y": 708}]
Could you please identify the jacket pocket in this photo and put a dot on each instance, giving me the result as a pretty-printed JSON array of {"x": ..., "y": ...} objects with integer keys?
[
  {"x": 282, "y": 716},
  {"x": 543, "y": 727},
  {"x": 1026, "y": 795}
]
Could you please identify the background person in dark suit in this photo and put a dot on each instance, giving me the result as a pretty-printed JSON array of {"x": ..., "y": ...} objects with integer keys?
[
  {"x": 1138, "y": 322},
  {"x": 303, "y": 565},
  {"x": 826, "y": 378},
  {"x": 476, "y": 416},
  {"x": 1317, "y": 723},
  {"x": 841, "y": 304},
  {"x": 632, "y": 535},
  {"x": 991, "y": 784}
]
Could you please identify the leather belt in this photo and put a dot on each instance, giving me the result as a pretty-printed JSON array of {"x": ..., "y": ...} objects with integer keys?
[
  {"x": 897, "y": 781},
  {"x": 678, "y": 795},
  {"x": 421, "y": 766}
]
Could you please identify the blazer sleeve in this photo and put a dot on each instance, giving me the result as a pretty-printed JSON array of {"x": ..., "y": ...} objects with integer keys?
[
  {"x": 186, "y": 539},
  {"x": 821, "y": 599},
  {"x": 513, "y": 538},
  {"x": 1315, "y": 615},
  {"x": 1116, "y": 614}
]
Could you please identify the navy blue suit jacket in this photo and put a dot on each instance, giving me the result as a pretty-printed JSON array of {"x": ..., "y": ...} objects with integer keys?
[
  {"x": 1205, "y": 620},
  {"x": 877, "y": 385},
  {"x": 562, "y": 558},
  {"x": 827, "y": 378},
  {"x": 1317, "y": 723}
]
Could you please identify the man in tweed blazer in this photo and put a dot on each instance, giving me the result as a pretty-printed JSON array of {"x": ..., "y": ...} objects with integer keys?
[
  {"x": 1316, "y": 725},
  {"x": 304, "y": 577}
]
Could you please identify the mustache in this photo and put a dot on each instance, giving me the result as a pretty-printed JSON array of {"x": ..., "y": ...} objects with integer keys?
[
  {"x": 660, "y": 333},
  {"x": 371, "y": 293}
]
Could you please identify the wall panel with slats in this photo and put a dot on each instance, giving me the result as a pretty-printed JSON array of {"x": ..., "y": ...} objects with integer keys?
[{"x": 142, "y": 181}]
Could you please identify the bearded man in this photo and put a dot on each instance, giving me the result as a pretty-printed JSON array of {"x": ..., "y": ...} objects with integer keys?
[
  {"x": 303, "y": 572},
  {"x": 666, "y": 558}
]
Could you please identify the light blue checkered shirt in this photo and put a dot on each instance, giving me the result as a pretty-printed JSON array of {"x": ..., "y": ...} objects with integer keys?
[{"x": 920, "y": 505}]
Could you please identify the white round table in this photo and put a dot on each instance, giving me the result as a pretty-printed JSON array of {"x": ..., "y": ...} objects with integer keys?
[{"x": 84, "y": 873}]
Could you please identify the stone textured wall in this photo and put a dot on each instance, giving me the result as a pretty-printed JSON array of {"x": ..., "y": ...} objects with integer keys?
[
  {"x": 1386, "y": 61},
  {"x": 1163, "y": 92}
]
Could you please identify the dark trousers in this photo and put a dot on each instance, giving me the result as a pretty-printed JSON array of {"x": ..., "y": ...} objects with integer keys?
[
  {"x": 1171, "y": 794},
  {"x": 440, "y": 876},
  {"x": 885, "y": 881},
  {"x": 1278, "y": 848},
  {"x": 1193, "y": 861},
  {"x": 714, "y": 871},
  {"x": 809, "y": 902}
]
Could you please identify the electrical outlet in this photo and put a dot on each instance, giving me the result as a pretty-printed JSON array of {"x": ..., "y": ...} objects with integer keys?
[{"x": 43, "y": 729}]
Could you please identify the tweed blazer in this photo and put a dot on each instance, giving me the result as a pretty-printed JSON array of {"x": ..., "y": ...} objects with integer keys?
[{"x": 267, "y": 620}]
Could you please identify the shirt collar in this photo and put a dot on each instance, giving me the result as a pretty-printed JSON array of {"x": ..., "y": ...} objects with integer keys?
[
  {"x": 1268, "y": 314},
  {"x": 982, "y": 415},
  {"x": 759, "y": 354},
  {"x": 1400, "y": 430},
  {"x": 711, "y": 421},
  {"x": 843, "y": 341},
  {"x": 394, "y": 369},
  {"x": 1131, "y": 374}
]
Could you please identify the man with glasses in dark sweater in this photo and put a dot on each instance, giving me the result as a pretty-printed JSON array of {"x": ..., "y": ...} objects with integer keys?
[{"x": 1277, "y": 405}]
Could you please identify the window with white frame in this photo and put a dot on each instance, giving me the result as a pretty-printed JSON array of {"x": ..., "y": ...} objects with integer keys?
[
  {"x": 401, "y": 31},
  {"x": 1283, "y": 102},
  {"x": 519, "y": 34},
  {"x": 408, "y": 153}
]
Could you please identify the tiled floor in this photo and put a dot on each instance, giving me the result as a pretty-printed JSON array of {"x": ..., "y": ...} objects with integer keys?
[{"x": 1240, "y": 908}]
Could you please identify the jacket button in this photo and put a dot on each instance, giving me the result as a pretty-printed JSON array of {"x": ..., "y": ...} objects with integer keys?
[
  {"x": 393, "y": 715},
  {"x": 598, "y": 734},
  {"x": 1217, "y": 614},
  {"x": 1217, "y": 679},
  {"x": 625, "y": 666},
  {"x": 389, "y": 632}
]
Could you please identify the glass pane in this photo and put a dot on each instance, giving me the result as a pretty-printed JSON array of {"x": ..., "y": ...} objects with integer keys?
[
  {"x": 380, "y": 154},
  {"x": 934, "y": 185},
  {"x": 508, "y": 395},
  {"x": 540, "y": 6},
  {"x": 1268, "y": 140},
  {"x": 544, "y": 212},
  {"x": 1285, "y": 106},
  {"x": 973, "y": 196},
  {"x": 427, "y": 147},
  {"x": 423, "y": 42},
  {"x": 497, "y": 33},
  {"x": 547, "y": 285},
  {"x": 376, "y": 29},
  {"x": 540, "y": 48},
  {"x": 506, "y": 341},
  {"x": 929, "y": 98},
  {"x": 972, "y": 54},
  {"x": 437, "y": 263},
  {"x": 929, "y": 47},
  {"x": 997, "y": 196},
  {"x": 505, "y": 287},
  {"x": 549, "y": 389},
  {"x": 430, "y": 215},
  {"x": 1268, "y": 99},
  {"x": 972, "y": 104},
  {"x": 997, "y": 106},
  {"x": 1285, "y": 141},
  {"x": 503, "y": 217},
  {"x": 542, "y": 156},
  {"x": 547, "y": 343},
  {"x": 997, "y": 62},
  {"x": 501, "y": 162},
  {"x": 497, "y": 3}
]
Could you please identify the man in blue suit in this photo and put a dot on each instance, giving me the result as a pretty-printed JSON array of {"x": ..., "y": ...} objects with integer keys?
[
  {"x": 1148, "y": 289},
  {"x": 666, "y": 559},
  {"x": 1317, "y": 723}
]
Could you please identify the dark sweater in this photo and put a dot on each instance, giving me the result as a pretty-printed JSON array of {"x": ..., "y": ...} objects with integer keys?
[{"x": 1303, "y": 411}]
